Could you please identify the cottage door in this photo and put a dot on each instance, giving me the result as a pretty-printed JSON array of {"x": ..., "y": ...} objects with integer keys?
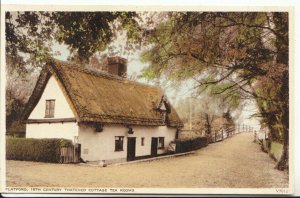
[
  {"x": 154, "y": 142},
  {"x": 77, "y": 152},
  {"x": 130, "y": 148}
]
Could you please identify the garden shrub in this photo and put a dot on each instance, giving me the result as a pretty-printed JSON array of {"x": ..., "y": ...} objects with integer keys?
[
  {"x": 30, "y": 149},
  {"x": 191, "y": 144}
]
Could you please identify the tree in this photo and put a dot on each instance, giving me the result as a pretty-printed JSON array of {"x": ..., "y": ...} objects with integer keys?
[
  {"x": 17, "y": 93},
  {"x": 245, "y": 52},
  {"x": 205, "y": 107},
  {"x": 31, "y": 35}
]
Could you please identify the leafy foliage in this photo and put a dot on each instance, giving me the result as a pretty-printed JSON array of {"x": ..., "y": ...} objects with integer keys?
[
  {"x": 18, "y": 90},
  {"x": 190, "y": 145},
  {"x": 29, "y": 149},
  {"x": 241, "y": 54},
  {"x": 30, "y": 35},
  {"x": 206, "y": 107}
]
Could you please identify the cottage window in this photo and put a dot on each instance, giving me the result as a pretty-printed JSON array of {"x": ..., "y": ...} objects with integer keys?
[
  {"x": 161, "y": 142},
  {"x": 49, "y": 108},
  {"x": 142, "y": 141},
  {"x": 119, "y": 143}
]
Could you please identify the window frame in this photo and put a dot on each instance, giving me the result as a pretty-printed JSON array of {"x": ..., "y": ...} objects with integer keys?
[
  {"x": 161, "y": 144},
  {"x": 50, "y": 108},
  {"x": 119, "y": 143}
]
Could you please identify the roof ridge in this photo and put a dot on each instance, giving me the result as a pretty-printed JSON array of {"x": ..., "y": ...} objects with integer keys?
[{"x": 99, "y": 73}]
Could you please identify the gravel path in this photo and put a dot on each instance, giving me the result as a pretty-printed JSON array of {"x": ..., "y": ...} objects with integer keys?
[{"x": 236, "y": 162}]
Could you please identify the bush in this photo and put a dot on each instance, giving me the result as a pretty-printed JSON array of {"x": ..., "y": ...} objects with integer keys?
[
  {"x": 191, "y": 144},
  {"x": 30, "y": 149}
]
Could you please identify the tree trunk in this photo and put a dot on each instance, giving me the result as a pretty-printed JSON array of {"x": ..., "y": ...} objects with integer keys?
[
  {"x": 284, "y": 159},
  {"x": 283, "y": 162},
  {"x": 208, "y": 124},
  {"x": 281, "y": 26}
]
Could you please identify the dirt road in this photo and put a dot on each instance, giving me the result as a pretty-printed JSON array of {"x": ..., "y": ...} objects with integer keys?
[{"x": 236, "y": 162}]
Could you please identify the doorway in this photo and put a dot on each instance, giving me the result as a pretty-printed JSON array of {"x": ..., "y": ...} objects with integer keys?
[
  {"x": 131, "y": 148},
  {"x": 154, "y": 141}
]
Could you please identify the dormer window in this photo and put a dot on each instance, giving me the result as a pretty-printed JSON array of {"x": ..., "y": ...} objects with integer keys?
[
  {"x": 163, "y": 107},
  {"x": 50, "y": 104}
]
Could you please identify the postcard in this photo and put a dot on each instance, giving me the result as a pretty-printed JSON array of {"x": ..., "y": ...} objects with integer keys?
[{"x": 147, "y": 100}]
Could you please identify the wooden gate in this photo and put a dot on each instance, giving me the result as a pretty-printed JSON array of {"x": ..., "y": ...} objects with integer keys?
[{"x": 70, "y": 154}]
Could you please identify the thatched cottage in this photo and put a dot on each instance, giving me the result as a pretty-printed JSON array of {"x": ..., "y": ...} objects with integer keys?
[{"x": 110, "y": 117}]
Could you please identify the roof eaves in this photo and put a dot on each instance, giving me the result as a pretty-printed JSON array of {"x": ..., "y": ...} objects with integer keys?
[{"x": 37, "y": 92}]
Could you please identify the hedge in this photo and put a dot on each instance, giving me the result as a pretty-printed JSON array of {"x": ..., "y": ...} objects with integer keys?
[
  {"x": 30, "y": 149},
  {"x": 191, "y": 144}
]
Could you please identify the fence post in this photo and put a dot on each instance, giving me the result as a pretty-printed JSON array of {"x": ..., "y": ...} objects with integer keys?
[
  {"x": 215, "y": 136},
  {"x": 222, "y": 135}
]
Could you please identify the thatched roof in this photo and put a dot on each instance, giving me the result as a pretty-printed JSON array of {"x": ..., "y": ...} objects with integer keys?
[{"x": 99, "y": 97}]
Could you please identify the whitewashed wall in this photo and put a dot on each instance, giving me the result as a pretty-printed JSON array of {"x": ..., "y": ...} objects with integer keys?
[
  {"x": 65, "y": 130},
  {"x": 62, "y": 109},
  {"x": 97, "y": 146},
  {"x": 101, "y": 146},
  {"x": 52, "y": 91},
  {"x": 148, "y": 133}
]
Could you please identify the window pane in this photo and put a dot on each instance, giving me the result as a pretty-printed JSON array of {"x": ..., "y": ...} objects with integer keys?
[
  {"x": 119, "y": 143},
  {"x": 49, "y": 112},
  {"x": 47, "y": 108},
  {"x": 52, "y": 105},
  {"x": 161, "y": 142}
]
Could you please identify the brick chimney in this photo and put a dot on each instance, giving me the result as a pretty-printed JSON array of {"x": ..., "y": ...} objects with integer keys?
[{"x": 116, "y": 66}]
